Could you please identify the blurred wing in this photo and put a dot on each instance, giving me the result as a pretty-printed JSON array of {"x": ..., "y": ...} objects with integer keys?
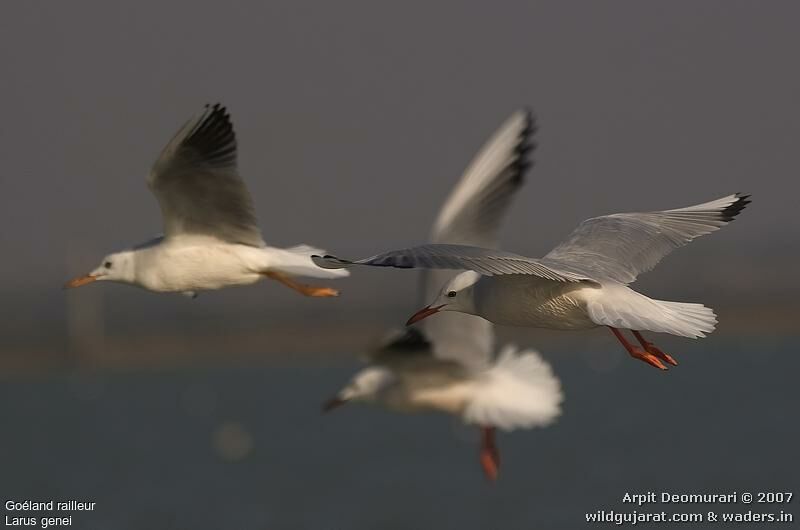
[
  {"x": 466, "y": 339},
  {"x": 197, "y": 184},
  {"x": 477, "y": 205},
  {"x": 519, "y": 391},
  {"x": 622, "y": 246},
  {"x": 408, "y": 352},
  {"x": 472, "y": 215},
  {"x": 488, "y": 262},
  {"x": 399, "y": 343}
]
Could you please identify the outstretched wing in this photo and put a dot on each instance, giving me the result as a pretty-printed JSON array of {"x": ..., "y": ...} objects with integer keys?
[
  {"x": 198, "y": 186},
  {"x": 621, "y": 246},
  {"x": 488, "y": 262},
  {"x": 472, "y": 215}
]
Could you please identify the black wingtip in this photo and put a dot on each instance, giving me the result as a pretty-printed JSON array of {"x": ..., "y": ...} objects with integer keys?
[
  {"x": 217, "y": 110},
  {"x": 525, "y": 146},
  {"x": 213, "y": 136},
  {"x": 735, "y": 208},
  {"x": 530, "y": 122}
]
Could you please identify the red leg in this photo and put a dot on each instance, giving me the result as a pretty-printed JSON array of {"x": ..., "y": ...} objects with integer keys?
[
  {"x": 490, "y": 456},
  {"x": 651, "y": 348},
  {"x": 636, "y": 352}
]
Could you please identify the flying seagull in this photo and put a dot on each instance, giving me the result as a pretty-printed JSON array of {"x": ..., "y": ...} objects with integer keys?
[
  {"x": 582, "y": 283},
  {"x": 449, "y": 364},
  {"x": 211, "y": 237}
]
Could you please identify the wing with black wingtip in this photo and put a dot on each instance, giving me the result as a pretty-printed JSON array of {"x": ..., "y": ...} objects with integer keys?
[
  {"x": 623, "y": 245},
  {"x": 197, "y": 184}
]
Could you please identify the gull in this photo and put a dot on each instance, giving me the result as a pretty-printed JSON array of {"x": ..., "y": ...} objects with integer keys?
[
  {"x": 211, "y": 237},
  {"x": 582, "y": 283},
  {"x": 449, "y": 364}
]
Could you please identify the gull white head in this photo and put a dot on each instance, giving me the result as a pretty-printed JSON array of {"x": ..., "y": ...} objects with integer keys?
[
  {"x": 366, "y": 385},
  {"x": 457, "y": 295},
  {"x": 117, "y": 267}
]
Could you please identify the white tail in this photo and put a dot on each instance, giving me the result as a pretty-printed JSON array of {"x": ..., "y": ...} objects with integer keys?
[
  {"x": 624, "y": 308},
  {"x": 687, "y": 320},
  {"x": 518, "y": 391}
]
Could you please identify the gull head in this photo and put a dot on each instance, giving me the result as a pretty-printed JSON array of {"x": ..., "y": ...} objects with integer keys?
[
  {"x": 456, "y": 295},
  {"x": 366, "y": 385},
  {"x": 116, "y": 267}
]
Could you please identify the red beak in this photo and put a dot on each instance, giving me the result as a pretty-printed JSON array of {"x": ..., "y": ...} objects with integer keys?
[{"x": 425, "y": 312}]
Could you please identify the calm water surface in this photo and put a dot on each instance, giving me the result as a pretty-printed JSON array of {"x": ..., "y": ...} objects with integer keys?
[{"x": 247, "y": 448}]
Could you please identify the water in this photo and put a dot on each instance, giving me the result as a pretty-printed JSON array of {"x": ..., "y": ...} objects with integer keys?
[{"x": 247, "y": 448}]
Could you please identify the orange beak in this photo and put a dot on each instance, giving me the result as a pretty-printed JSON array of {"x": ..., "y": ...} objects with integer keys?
[
  {"x": 79, "y": 281},
  {"x": 425, "y": 312}
]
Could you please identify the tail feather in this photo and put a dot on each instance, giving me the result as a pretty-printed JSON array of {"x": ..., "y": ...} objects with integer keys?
[
  {"x": 518, "y": 391},
  {"x": 627, "y": 309},
  {"x": 694, "y": 319}
]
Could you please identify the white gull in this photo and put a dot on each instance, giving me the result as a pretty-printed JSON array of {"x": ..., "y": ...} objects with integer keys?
[
  {"x": 449, "y": 364},
  {"x": 582, "y": 283},
  {"x": 211, "y": 237}
]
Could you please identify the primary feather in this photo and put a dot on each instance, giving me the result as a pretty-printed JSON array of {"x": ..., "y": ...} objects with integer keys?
[
  {"x": 621, "y": 246},
  {"x": 471, "y": 215},
  {"x": 198, "y": 186}
]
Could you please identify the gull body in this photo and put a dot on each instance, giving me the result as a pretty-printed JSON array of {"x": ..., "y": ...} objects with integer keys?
[
  {"x": 407, "y": 389},
  {"x": 450, "y": 364},
  {"x": 200, "y": 263},
  {"x": 511, "y": 389},
  {"x": 211, "y": 238},
  {"x": 531, "y": 302},
  {"x": 582, "y": 283}
]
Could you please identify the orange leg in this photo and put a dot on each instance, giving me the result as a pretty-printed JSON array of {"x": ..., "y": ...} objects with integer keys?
[
  {"x": 636, "y": 352},
  {"x": 308, "y": 290},
  {"x": 490, "y": 456},
  {"x": 651, "y": 348}
]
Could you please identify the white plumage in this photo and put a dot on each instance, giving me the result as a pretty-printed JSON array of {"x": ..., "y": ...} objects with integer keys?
[
  {"x": 519, "y": 391},
  {"x": 581, "y": 284},
  {"x": 449, "y": 364},
  {"x": 211, "y": 236}
]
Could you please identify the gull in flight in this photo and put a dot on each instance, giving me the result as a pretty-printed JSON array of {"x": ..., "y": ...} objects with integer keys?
[
  {"x": 582, "y": 283},
  {"x": 449, "y": 364},
  {"x": 211, "y": 237}
]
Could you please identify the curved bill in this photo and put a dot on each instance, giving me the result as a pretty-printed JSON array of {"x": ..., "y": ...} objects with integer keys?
[
  {"x": 79, "y": 281},
  {"x": 425, "y": 312}
]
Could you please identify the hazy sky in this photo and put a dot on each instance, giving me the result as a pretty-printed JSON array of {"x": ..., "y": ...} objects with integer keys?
[{"x": 355, "y": 119}]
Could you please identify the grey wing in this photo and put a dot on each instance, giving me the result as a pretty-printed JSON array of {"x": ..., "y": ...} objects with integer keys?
[
  {"x": 198, "y": 186},
  {"x": 622, "y": 246},
  {"x": 489, "y": 262},
  {"x": 472, "y": 215}
]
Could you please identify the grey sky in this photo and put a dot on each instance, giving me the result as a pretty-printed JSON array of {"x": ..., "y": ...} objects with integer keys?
[{"x": 354, "y": 119}]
